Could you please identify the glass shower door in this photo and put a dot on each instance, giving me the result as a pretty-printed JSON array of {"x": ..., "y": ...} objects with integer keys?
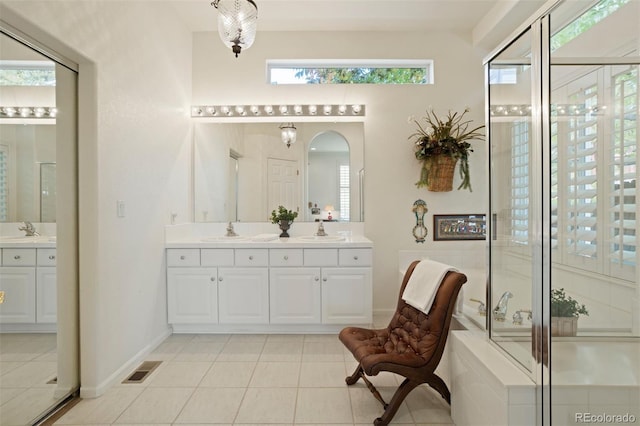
[{"x": 511, "y": 200}]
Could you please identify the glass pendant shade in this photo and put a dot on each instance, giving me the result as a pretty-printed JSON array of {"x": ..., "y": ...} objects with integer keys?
[
  {"x": 289, "y": 133},
  {"x": 237, "y": 23}
]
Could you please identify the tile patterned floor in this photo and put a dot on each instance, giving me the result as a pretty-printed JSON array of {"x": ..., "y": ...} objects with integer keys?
[
  {"x": 27, "y": 363},
  {"x": 253, "y": 380}
]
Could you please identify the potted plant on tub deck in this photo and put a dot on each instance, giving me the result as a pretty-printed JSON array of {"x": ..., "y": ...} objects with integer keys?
[
  {"x": 284, "y": 218},
  {"x": 565, "y": 312}
]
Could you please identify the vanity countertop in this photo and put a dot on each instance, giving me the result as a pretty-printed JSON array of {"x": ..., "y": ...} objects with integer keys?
[
  {"x": 41, "y": 241},
  {"x": 355, "y": 241}
]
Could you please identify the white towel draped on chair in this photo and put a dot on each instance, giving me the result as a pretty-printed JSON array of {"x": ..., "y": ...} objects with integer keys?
[{"x": 424, "y": 283}]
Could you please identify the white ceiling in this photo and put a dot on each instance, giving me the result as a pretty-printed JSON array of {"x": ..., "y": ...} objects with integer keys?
[{"x": 371, "y": 15}]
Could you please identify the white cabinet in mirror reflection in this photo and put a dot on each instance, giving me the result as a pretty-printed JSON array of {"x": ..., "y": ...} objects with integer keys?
[{"x": 28, "y": 279}]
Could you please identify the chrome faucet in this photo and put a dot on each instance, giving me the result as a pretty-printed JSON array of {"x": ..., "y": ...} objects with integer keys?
[
  {"x": 321, "y": 232},
  {"x": 500, "y": 311},
  {"x": 230, "y": 231},
  {"x": 29, "y": 229},
  {"x": 517, "y": 317},
  {"x": 482, "y": 308}
]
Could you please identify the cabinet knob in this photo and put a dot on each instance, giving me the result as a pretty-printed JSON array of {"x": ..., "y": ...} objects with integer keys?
[
  {"x": 16, "y": 257},
  {"x": 355, "y": 257},
  {"x": 52, "y": 257},
  {"x": 324, "y": 279},
  {"x": 286, "y": 258},
  {"x": 250, "y": 257},
  {"x": 219, "y": 278},
  {"x": 182, "y": 257}
]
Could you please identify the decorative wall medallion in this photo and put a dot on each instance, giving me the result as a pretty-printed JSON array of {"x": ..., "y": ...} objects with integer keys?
[{"x": 420, "y": 231}]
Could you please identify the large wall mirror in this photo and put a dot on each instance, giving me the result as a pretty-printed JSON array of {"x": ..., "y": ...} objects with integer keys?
[
  {"x": 242, "y": 171},
  {"x": 27, "y": 141}
]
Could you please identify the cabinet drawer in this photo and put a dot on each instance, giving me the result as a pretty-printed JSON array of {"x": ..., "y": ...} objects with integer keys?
[
  {"x": 252, "y": 257},
  {"x": 216, "y": 257},
  {"x": 354, "y": 257},
  {"x": 46, "y": 257},
  {"x": 183, "y": 257},
  {"x": 18, "y": 257},
  {"x": 320, "y": 257},
  {"x": 285, "y": 257}
]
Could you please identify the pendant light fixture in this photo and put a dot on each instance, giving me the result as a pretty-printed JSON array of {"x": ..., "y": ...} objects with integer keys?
[
  {"x": 237, "y": 23},
  {"x": 289, "y": 133}
]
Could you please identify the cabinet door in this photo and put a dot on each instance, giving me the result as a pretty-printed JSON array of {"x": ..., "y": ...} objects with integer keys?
[
  {"x": 192, "y": 295},
  {"x": 19, "y": 286},
  {"x": 243, "y": 295},
  {"x": 46, "y": 299},
  {"x": 294, "y": 294},
  {"x": 346, "y": 296}
]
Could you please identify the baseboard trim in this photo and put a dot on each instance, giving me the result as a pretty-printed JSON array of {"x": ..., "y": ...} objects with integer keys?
[{"x": 122, "y": 372}]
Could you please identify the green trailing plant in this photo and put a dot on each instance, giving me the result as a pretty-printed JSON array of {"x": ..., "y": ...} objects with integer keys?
[
  {"x": 449, "y": 136},
  {"x": 564, "y": 306},
  {"x": 283, "y": 214}
]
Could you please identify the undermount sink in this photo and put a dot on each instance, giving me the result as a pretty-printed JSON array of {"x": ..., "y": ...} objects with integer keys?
[
  {"x": 224, "y": 238},
  {"x": 320, "y": 239}
]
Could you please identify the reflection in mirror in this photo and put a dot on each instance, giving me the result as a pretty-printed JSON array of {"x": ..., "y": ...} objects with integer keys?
[
  {"x": 27, "y": 136},
  {"x": 243, "y": 171},
  {"x": 328, "y": 177}
]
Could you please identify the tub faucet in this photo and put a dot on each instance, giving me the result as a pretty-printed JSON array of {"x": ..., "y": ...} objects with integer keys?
[
  {"x": 230, "y": 231},
  {"x": 517, "y": 317},
  {"x": 500, "y": 311},
  {"x": 482, "y": 308},
  {"x": 29, "y": 229}
]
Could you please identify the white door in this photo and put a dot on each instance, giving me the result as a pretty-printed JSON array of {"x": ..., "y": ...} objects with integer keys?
[
  {"x": 346, "y": 296},
  {"x": 284, "y": 183},
  {"x": 192, "y": 295},
  {"x": 19, "y": 286},
  {"x": 244, "y": 295},
  {"x": 295, "y": 295},
  {"x": 46, "y": 301}
]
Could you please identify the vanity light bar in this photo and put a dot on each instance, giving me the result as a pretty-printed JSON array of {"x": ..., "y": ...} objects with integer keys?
[
  {"x": 296, "y": 110},
  {"x": 556, "y": 110},
  {"x": 28, "y": 112}
]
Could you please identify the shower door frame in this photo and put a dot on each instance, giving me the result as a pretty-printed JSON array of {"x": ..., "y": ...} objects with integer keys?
[{"x": 541, "y": 62}]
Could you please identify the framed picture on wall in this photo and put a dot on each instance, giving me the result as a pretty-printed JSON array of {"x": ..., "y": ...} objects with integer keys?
[{"x": 459, "y": 227}]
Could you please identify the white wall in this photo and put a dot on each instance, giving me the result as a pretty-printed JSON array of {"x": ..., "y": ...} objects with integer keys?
[
  {"x": 138, "y": 152},
  {"x": 391, "y": 169},
  {"x": 137, "y": 147}
]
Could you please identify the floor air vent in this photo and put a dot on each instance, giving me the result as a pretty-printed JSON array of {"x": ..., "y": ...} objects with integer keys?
[{"x": 142, "y": 372}]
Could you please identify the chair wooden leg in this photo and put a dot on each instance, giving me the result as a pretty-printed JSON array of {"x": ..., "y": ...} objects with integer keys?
[
  {"x": 438, "y": 384},
  {"x": 352, "y": 379},
  {"x": 393, "y": 406}
]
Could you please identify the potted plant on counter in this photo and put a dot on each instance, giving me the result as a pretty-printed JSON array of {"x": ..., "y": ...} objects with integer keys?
[
  {"x": 565, "y": 312},
  {"x": 284, "y": 218}
]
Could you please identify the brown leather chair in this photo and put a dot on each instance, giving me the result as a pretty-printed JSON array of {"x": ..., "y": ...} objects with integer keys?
[{"x": 411, "y": 345}]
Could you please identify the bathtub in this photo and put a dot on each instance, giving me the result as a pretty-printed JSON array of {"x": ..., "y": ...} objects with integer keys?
[{"x": 588, "y": 377}]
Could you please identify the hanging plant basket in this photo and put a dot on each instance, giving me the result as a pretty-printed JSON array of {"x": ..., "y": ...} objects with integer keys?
[
  {"x": 439, "y": 145},
  {"x": 437, "y": 173}
]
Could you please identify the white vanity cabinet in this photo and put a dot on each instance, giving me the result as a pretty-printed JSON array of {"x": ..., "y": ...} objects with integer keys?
[
  {"x": 192, "y": 295},
  {"x": 295, "y": 295},
  {"x": 318, "y": 290},
  {"x": 243, "y": 295},
  {"x": 28, "y": 280},
  {"x": 272, "y": 288}
]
